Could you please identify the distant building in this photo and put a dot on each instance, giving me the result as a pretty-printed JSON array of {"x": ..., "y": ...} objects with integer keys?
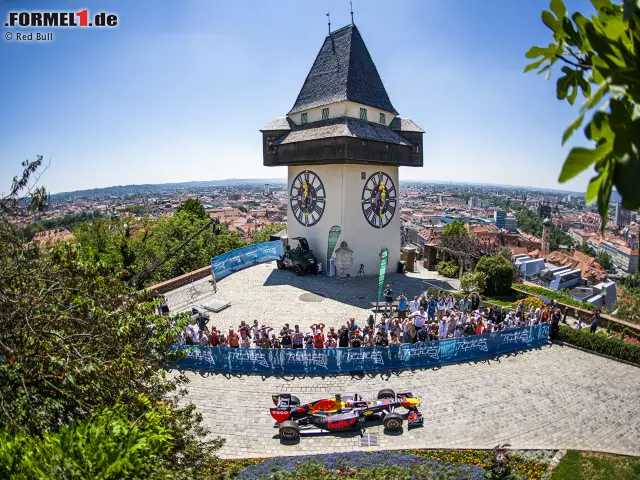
[
  {"x": 544, "y": 210},
  {"x": 511, "y": 223},
  {"x": 500, "y": 218},
  {"x": 546, "y": 235},
  {"x": 623, "y": 216},
  {"x": 475, "y": 202},
  {"x": 234, "y": 196}
]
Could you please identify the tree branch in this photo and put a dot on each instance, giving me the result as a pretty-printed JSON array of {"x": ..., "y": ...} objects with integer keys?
[{"x": 583, "y": 66}]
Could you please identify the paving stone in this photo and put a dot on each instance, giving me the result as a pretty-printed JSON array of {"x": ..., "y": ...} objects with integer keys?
[{"x": 552, "y": 398}]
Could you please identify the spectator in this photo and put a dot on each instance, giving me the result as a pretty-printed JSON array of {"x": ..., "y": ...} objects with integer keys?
[
  {"x": 432, "y": 306},
  {"x": 352, "y": 325},
  {"x": 318, "y": 338},
  {"x": 356, "y": 342},
  {"x": 414, "y": 305},
  {"x": 331, "y": 342},
  {"x": 402, "y": 306},
  {"x": 214, "y": 338},
  {"x": 394, "y": 340},
  {"x": 343, "y": 337},
  {"x": 298, "y": 337},
  {"x": 233, "y": 339},
  {"x": 286, "y": 340},
  {"x": 388, "y": 300},
  {"x": 595, "y": 321},
  {"x": 442, "y": 305}
]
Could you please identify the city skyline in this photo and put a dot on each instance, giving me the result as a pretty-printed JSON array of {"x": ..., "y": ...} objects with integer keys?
[{"x": 180, "y": 95}]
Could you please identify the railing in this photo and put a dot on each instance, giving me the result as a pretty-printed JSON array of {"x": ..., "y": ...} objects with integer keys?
[{"x": 332, "y": 360}]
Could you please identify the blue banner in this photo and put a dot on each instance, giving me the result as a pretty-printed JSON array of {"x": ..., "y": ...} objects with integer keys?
[
  {"x": 244, "y": 257},
  {"x": 323, "y": 360}
]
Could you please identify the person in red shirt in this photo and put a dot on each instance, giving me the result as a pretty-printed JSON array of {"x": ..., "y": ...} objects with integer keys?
[
  {"x": 214, "y": 338},
  {"x": 318, "y": 337}
]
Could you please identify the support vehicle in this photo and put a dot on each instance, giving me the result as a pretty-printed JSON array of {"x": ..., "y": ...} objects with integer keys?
[
  {"x": 343, "y": 413},
  {"x": 300, "y": 259}
]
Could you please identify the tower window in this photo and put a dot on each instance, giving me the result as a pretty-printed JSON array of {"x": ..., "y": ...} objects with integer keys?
[
  {"x": 363, "y": 113},
  {"x": 383, "y": 118},
  {"x": 325, "y": 113},
  {"x": 363, "y": 175},
  {"x": 304, "y": 118}
]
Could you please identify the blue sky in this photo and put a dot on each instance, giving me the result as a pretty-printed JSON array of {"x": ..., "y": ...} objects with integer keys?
[{"x": 178, "y": 91}]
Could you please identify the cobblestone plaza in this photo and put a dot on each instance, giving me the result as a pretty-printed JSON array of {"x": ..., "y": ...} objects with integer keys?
[{"x": 551, "y": 398}]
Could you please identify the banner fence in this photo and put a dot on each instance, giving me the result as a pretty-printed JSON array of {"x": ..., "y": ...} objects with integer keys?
[
  {"x": 335, "y": 360},
  {"x": 244, "y": 257}
]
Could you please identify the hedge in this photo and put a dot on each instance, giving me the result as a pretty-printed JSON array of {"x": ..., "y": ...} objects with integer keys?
[
  {"x": 600, "y": 344},
  {"x": 553, "y": 295}
]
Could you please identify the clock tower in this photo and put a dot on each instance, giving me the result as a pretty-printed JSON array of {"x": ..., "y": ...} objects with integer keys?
[{"x": 343, "y": 142}]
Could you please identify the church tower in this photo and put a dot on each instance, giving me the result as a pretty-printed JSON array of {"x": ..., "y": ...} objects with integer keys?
[{"x": 343, "y": 142}]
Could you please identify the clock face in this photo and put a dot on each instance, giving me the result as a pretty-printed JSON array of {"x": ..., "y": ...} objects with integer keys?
[
  {"x": 379, "y": 200},
  {"x": 307, "y": 198}
]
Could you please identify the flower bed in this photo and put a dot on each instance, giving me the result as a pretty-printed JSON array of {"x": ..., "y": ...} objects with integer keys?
[{"x": 398, "y": 464}]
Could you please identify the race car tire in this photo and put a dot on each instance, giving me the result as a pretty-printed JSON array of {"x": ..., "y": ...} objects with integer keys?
[
  {"x": 294, "y": 400},
  {"x": 386, "y": 393},
  {"x": 392, "y": 422},
  {"x": 290, "y": 430},
  {"x": 299, "y": 271},
  {"x": 279, "y": 264}
]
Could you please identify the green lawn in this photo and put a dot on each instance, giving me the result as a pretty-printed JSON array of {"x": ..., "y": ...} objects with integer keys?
[{"x": 596, "y": 466}]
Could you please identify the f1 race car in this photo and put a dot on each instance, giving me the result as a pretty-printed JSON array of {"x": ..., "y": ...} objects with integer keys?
[{"x": 343, "y": 413}]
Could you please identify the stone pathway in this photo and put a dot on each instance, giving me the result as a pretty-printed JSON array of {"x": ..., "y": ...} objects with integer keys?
[{"x": 552, "y": 398}]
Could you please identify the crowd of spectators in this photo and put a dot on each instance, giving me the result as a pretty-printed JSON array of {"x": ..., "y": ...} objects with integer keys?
[{"x": 419, "y": 320}]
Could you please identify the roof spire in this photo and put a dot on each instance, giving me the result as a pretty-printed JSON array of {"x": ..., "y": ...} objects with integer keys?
[
  {"x": 329, "y": 20},
  {"x": 351, "y": 4}
]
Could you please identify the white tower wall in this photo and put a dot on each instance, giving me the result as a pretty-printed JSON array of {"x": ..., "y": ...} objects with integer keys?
[{"x": 343, "y": 185}]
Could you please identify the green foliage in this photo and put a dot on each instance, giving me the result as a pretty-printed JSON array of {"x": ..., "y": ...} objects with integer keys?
[
  {"x": 628, "y": 303},
  {"x": 192, "y": 207},
  {"x": 106, "y": 445},
  {"x": 499, "y": 274},
  {"x": 136, "y": 209},
  {"x": 596, "y": 466},
  {"x": 605, "y": 260},
  {"x": 75, "y": 340},
  {"x": 64, "y": 221},
  {"x": 600, "y": 60},
  {"x": 473, "y": 282},
  {"x": 128, "y": 247},
  {"x": 448, "y": 269},
  {"x": 612, "y": 347},
  {"x": 265, "y": 234},
  {"x": 530, "y": 222},
  {"x": 553, "y": 295},
  {"x": 455, "y": 228},
  {"x": 586, "y": 249}
]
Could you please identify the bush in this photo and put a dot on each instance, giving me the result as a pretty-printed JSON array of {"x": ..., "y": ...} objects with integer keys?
[
  {"x": 107, "y": 445},
  {"x": 553, "y": 295},
  {"x": 498, "y": 272},
  {"x": 473, "y": 282},
  {"x": 600, "y": 344},
  {"x": 448, "y": 269}
]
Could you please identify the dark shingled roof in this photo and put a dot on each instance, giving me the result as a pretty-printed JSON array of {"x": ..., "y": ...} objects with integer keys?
[
  {"x": 343, "y": 70},
  {"x": 278, "y": 123},
  {"x": 343, "y": 127},
  {"x": 404, "y": 125}
]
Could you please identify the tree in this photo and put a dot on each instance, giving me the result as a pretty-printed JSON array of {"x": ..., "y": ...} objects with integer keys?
[
  {"x": 586, "y": 249},
  {"x": 605, "y": 260},
  {"x": 498, "y": 272},
  {"x": 455, "y": 228},
  {"x": 193, "y": 207},
  {"x": 74, "y": 340},
  {"x": 473, "y": 282},
  {"x": 265, "y": 234},
  {"x": 599, "y": 58}
]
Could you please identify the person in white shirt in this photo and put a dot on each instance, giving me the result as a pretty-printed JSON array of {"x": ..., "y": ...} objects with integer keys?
[
  {"x": 451, "y": 303},
  {"x": 443, "y": 327},
  {"x": 442, "y": 306},
  {"x": 419, "y": 318},
  {"x": 414, "y": 304}
]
